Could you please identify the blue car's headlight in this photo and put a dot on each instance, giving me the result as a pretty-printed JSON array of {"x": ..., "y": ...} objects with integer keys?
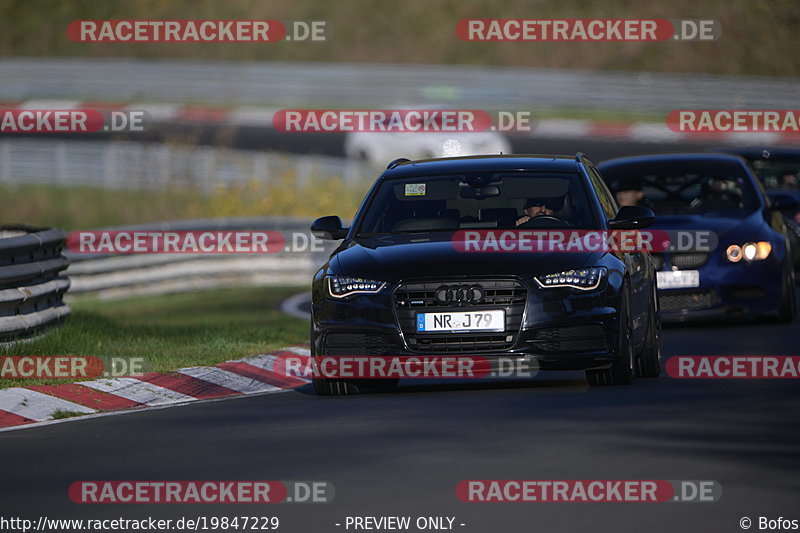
[
  {"x": 752, "y": 251},
  {"x": 342, "y": 286},
  {"x": 583, "y": 279}
]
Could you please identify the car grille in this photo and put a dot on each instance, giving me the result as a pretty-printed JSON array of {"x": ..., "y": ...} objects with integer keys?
[
  {"x": 411, "y": 298},
  {"x": 683, "y": 260},
  {"x": 572, "y": 339},
  {"x": 680, "y": 300},
  {"x": 688, "y": 260},
  {"x": 360, "y": 344}
]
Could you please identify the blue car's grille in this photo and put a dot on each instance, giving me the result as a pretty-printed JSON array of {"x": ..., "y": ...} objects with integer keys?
[
  {"x": 681, "y": 260},
  {"x": 675, "y": 300}
]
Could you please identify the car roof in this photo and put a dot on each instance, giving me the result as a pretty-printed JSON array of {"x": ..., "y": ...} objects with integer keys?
[
  {"x": 672, "y": 158},
  {"x": 782, "y": 153},
  {"x": 478, "y": 163}
]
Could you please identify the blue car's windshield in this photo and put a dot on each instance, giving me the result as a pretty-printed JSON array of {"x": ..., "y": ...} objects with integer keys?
[
  {"x": 776, "y": 174},
  {"x": 479, "y": 200},
  {"x": 686, "y": 189}
]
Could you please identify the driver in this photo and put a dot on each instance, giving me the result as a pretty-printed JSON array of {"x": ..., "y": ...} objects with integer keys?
[{"x": 538, "y": 207}]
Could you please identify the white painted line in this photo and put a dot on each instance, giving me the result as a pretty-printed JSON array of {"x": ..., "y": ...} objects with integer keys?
[
  {"x": 753, "y": 137},
  {"x": 653, "y": 132},
  {"x": 157, "y": 112},
  {"x": 560, "y": 128},
  {"x": 292, "y": 305},
  {"x": 131, "y": 411},
  {"x": 224, "y": 378},
  {"x": 137, "y": 391},
  {"x": 252, "y": 116},
  {"x": 35, "y": 405}
]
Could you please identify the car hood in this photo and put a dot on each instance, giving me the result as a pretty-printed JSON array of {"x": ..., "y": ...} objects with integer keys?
[{"x": 397, "y": 257}]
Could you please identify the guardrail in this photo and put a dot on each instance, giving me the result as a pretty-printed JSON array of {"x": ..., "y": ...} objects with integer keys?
[
  {"x": 31, "y": 283},
  {"x": 144, "y": 165},
  {"x": 115, "y": 276},
  {"x": 363, "y": 85}
]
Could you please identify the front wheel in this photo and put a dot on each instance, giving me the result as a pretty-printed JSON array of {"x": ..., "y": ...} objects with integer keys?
[
  {"x": 648, "y": 362},
  {"x": 621, "y": 372}
]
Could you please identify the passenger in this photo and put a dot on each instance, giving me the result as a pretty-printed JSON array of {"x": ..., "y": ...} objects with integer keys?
[{"x": 629, "y": 192}]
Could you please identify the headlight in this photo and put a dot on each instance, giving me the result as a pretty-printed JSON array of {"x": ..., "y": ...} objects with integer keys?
[
  {"x": 584, "y": 279},
  {"x": 752, "y": 251},
  {"x": 341, "y": 286}
]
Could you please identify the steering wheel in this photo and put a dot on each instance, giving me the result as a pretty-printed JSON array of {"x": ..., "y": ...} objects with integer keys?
[{"x": 545, "y": 221}]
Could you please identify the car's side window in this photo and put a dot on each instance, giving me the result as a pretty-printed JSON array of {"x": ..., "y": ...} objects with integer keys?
[{"x": 607, "y": 201}]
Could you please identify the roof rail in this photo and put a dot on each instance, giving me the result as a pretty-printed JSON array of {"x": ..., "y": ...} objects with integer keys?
[
  {"x": 579, "y": 156},
  {"x": 397, "y": 162}
]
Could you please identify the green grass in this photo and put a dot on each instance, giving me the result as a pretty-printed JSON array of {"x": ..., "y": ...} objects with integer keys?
[
  {"x": 172, "y": 331},
  {"x": 62, "y": 413},
  {"x": 80, "y": 207}
]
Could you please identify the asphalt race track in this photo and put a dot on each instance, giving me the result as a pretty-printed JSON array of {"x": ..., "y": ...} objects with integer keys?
[{"x": 403, "y": 453}]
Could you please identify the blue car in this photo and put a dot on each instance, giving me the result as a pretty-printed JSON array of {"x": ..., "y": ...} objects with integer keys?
[{"x": 729, "y": 252}]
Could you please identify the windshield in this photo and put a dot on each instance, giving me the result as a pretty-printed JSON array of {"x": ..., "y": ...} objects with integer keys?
[
  {"x": 479, "y": 200},
  {"x": 691, "y": 189},
  {"x": 782, "y": 175}
]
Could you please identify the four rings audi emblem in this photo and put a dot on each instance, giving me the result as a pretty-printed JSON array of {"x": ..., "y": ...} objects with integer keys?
[{"x": 459, "y": 294}]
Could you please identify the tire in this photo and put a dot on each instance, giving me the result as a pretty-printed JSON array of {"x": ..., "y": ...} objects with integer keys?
[
  {"x": 621, "y": 372},
  {"x": 788, "y": 307},
  {"x": 648, "y": 361}
]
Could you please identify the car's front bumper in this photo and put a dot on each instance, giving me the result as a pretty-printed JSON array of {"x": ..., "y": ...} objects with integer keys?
[
  {"x": 553, "y": 329},
  {"x": 727, "y": 291}
]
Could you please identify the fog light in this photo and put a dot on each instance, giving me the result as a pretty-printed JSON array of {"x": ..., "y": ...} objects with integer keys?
[{"x": 734, "y": 253}]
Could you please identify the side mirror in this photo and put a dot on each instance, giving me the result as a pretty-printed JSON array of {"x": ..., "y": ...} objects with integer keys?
[
  {"x": 783, "y": 202},
  {"x": 632, "y": 217},
  {"x": 329, "y": 227}
]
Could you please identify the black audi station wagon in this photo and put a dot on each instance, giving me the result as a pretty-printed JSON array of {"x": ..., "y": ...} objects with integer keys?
[{"x": 402, "y": 283}]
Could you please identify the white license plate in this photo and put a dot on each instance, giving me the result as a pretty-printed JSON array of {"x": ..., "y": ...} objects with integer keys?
[
  {"x": 462, "y": 321},
  {"x": 678, "y": 279}
]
